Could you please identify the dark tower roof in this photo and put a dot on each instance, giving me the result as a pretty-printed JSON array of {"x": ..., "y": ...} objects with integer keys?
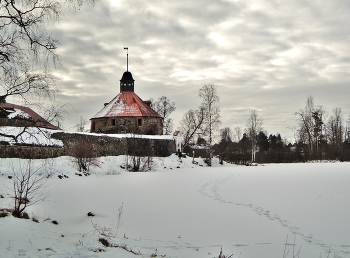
[
  {"x": 127, "y": 82},
  {"x": 127, "y": 76}
]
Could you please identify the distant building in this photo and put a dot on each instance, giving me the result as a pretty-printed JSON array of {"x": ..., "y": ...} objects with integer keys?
[
  {"x": 19, "y": 116},
  {"x": 127, "y": 113}
]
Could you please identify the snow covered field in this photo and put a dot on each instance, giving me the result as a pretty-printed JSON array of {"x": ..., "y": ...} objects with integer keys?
[{"x": 190, "y": 211}]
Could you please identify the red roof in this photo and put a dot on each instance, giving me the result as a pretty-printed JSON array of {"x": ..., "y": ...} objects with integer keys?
[
  {"x": 39, "y": 121},
  {"x": 127, "y": 103}
]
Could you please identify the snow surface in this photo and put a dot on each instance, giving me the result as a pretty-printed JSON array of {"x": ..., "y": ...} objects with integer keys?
[
  {"x": 127, "y": 135},
  {"x": 32, "y": 135},
  {"x": 184, "y": 210}
]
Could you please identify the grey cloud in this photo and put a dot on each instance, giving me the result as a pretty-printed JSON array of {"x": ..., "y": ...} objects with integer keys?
[{"x": 272, "y": 56}]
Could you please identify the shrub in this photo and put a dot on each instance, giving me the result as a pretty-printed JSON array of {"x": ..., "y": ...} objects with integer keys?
[
  {"x": 28, "y": 187},
  {"x": 35, "y": 219},
  {"x": 221, "y": 255},
  {"x": 84, "y": 154},
  {"x": 25, "y": 215},
  {"x": 139, "y": 154},
  {"x": 3, "y": 214},
  {"x": 104, "y": 242}
]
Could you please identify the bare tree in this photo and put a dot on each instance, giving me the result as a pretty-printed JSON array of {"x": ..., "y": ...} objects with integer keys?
[
  {"x": 237, "y": 134},
  {"x": 306, "y": 123},
  {"x": 210, "y": 104},
  {"x": 192, "y": 123},
  {"x": 139, "y": 154},
  {"x": 27, "y": 50},
  {"x": 26, "y": 47},
  {"x": 28, "y": 186},
  {"x": 335, "y": 131},
  {"x": 81, "y": 126},
  {"x": 347, "y": 130},
  {"x": 310, "y": 125},
  {"x": 165, "y": 107},
  {"x": 226, "y": 134},
  {"x": 84, "y": 154},
  {"x": 254, "y": 126},
  {"x": 56, "y": 113},
  {"x": 30, "y": 85}
]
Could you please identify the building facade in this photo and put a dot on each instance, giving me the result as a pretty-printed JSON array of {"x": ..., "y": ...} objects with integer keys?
[{"x": 127, "y": 113}]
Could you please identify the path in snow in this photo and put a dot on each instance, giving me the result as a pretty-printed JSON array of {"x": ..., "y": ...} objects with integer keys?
[{"x": 212, "y": 190}]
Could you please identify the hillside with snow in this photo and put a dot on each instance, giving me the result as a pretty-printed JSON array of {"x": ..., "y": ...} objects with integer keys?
[{"x": 182, "y": 210}]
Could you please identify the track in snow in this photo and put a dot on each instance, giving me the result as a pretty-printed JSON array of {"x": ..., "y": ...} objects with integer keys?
[{"x": 211, "y": 190}]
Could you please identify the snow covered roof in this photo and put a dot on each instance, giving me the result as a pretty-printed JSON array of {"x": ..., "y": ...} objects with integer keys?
[
  {"x": 127, "y": 135},
  {"x": 31, "y": 135},
  {"x": 126, "y": 104},
  {"x": 27, "y": 113}
]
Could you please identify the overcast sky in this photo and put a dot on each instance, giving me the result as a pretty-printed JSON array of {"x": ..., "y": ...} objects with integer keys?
[{"x": 262, "y": 54}]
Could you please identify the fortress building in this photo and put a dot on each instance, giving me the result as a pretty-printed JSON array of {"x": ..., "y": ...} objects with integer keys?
[{"x": 127, "y": 113}]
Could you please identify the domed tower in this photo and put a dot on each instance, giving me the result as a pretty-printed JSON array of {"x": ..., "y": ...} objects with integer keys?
[
  {"x": 127, "y": 82},
  {"x": 127, "y": 112}
]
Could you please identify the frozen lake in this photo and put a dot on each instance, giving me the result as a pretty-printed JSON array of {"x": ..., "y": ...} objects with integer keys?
[{"x": 190, "y": 211}]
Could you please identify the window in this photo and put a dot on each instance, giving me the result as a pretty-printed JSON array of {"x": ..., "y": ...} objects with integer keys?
[
  {"x": 139, "y": 121},
  {"x": 113, "y": 122}
]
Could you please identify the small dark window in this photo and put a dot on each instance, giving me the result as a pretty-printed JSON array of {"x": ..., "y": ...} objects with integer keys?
[
  {"x": 139, "y": 121},
  {"x": 113, "y": 122}
]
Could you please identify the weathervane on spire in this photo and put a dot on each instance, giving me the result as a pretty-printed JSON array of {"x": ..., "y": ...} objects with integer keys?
[{"x": 127, "y": 58}]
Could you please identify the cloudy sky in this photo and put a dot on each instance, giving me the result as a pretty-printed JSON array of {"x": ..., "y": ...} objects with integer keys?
[{"x": 262, "y": 54}]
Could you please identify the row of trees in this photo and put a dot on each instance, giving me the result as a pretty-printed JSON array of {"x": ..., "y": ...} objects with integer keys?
[
  {"x": 326, "y": 135},
  {"x": 318, "y": 136}
]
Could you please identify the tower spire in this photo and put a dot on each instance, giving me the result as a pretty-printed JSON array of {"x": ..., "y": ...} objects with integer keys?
[
  {"x": 127, "y": 82},
  {"x": 127, "y": 58}
]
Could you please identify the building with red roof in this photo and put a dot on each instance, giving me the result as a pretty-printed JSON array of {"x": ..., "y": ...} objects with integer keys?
[
  {"x": 17, "y": 115},
  {"x": 127, "y": 113}
]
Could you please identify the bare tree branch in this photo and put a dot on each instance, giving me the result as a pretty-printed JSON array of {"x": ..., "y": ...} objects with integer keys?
[
  {"x": 28, "y": 186},
  {"x": 254, "y": 126},
  {"x": 210, "y": 103}
]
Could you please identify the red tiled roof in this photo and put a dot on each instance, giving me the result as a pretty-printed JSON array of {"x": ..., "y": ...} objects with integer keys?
[
  {"x": 127, "y": 103},
  {"x": 39, "y": 121}
]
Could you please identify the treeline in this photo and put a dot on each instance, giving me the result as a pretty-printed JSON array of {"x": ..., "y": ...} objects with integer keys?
[
  {"x": 319, "y": 135},
  {"x": 273, "y": 149}
]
